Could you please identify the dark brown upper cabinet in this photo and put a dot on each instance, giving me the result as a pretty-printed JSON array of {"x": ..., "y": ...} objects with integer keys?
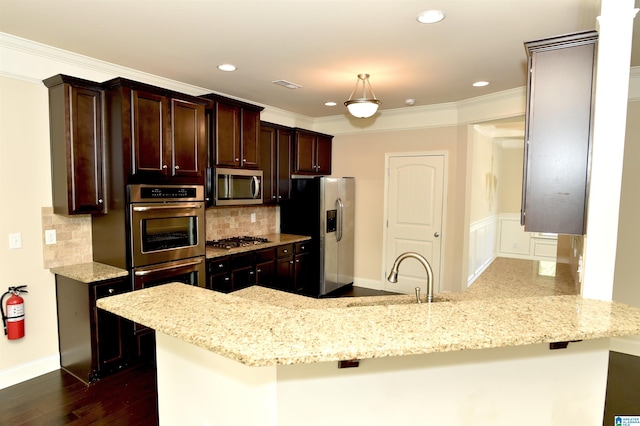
[
  {"x": 76, "y": 135},
  {"x": 156, "y": 135},
  {"x": 234, "y": 133},
  {"x": 275, "y": 161},
  {"x": 557, "y": 150},
  {"x": 312, "y": 153}
]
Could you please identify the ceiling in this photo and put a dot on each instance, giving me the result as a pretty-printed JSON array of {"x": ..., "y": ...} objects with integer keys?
[{"x": 319, "y": 44}]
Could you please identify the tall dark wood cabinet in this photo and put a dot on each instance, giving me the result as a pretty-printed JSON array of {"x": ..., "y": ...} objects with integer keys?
[
  {"x": 275, "y": 161},
  {"x": 77, "y": 156},
  {"x": 93, "y": 342},
  {"x": 558, "y": 133},
  {"x": 155, "y": 135},
  {"x": 312, "y": 153},
  {"x": 234, "y": 133}
]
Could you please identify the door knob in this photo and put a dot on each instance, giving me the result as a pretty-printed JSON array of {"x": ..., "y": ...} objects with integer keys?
[{"x": 436, "y": 234}]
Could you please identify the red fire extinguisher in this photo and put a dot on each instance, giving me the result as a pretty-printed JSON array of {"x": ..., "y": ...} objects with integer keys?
[{"x": 13, "y": 319}]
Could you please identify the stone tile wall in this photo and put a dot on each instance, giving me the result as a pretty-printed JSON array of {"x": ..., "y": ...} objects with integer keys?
[
  {"x": 225, "y": 222},
  {"x": 73, "y": 239}
]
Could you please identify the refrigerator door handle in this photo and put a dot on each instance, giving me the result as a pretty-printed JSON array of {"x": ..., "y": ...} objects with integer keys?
[{"x": 339, "y": 208}]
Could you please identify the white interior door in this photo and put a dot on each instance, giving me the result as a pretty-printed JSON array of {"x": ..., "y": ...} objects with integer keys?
[{"x": 415, "y": 193}]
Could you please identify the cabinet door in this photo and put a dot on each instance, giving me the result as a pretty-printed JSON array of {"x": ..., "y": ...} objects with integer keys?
[
  {"x": 300, "y": 272},
  {"x": 151, "y": 144},
  {"x": 85, "y": 175},
  {"x": 284, "y": 273},
  {"x": 323, "y": 155},
  {"x": 112, "y": 331},
  {"x": 250, "y": 138},
  {"x": 305, "y": 152},
  {"x": 268, "y": 163},
  {"x": 187, "y": 139},
  {"x": 227, "y": 135},
  {"x": 557, "y": 145},
  {"x": 283, "y": 164},
  {"x": 266, "y": 273}
]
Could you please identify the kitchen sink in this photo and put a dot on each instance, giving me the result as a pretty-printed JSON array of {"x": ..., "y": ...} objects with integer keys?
[{"x": 379, "y": 301}]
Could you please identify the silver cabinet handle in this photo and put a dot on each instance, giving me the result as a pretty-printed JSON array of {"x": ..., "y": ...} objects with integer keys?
[
  {"x": 150, "y": 270},
  {"x": 111, "y": 291},
  {"x": 165, "y": 207},
  {"x": 164, "y": 166},
  {"x": 100, "y": 201},
  {"x": 436, "y": 234},
  {"x": 177, "y": 167}
]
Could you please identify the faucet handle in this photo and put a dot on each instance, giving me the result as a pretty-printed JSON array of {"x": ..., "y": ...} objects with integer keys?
[{"x": 418, "y": 295}]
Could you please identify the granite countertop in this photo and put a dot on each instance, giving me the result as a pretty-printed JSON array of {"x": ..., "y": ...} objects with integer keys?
[
  {"x": 90, "y": 272},
  {"x": 274, "y": 240},
  {"x": 261, "y": 327}
]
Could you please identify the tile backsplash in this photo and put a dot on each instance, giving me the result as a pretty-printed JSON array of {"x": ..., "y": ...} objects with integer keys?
[
  {"x": 73, "y": 233},
  {"x": 225, "y": 222},
  {"x": 73, "y": 239}
]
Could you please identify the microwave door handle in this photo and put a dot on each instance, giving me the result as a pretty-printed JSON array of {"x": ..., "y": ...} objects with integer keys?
[
  {"x": 166, "y": 207},
  {"x": 256, "y": 186},
  {"x": 146, "y": 271},
  {"x": 339, "y": 207}
]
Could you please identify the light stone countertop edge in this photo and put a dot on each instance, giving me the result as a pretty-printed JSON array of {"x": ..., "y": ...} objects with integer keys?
[{"x": 267, "y": 333}]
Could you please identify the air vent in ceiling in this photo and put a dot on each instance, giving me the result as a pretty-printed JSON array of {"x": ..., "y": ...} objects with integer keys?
[{"x": 287, "y": 84}]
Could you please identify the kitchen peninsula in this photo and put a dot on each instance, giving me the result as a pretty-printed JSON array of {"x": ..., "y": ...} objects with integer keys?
[{"x": 264, "y": 357}]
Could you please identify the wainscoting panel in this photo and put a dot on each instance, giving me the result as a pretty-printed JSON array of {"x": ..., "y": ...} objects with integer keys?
[{"x": 482, "y": 246}]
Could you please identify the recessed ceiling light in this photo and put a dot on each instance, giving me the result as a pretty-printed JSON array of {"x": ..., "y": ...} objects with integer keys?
[
  {"x": 430, "y": 16},
  {"x": 480, "y": 83},
  {"x": 227, "y": 67},
  {"x": 330, "y": 103},
  {"x": 409, "y": 102}
]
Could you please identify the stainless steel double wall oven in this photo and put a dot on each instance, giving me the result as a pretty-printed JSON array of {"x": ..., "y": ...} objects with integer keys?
[{"x": 167, "y": 234}]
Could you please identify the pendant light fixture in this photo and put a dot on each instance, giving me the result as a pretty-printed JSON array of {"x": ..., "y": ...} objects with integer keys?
[{"x": 365, "y": 106}]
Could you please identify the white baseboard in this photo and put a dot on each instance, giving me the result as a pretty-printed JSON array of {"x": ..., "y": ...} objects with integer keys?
[
  {"x": 27, "y": 371},
  {"x": 627, "y": 345}
]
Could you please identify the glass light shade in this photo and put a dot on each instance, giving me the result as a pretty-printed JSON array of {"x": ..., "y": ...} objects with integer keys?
[
  {"x": 366, "y": 105},
  {"x": 363, "y": 108}
]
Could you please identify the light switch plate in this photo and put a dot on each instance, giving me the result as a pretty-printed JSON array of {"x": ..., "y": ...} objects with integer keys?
[{"x": 15, "y": 240}]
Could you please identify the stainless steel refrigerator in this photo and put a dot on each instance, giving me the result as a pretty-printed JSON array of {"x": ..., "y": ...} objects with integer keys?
[{"x": 324, "y": 209}]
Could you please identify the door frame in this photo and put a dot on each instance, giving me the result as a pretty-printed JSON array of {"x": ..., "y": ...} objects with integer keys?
[{"x": 437, "y": 286}]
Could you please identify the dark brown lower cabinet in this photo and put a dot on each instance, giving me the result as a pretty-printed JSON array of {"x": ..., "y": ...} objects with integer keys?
[
  {"x": 283, "y": 267},
  {"x": 93, "y": 342}
]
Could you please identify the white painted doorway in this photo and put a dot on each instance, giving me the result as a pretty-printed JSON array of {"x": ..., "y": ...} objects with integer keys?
[{"x": 414, "y": 210}]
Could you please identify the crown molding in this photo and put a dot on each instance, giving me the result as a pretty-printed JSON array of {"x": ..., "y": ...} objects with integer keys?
[{"x": 27, "y": 60}]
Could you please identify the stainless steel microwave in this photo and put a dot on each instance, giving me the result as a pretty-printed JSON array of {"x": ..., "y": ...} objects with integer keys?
[{"x": 234, "y": 187}]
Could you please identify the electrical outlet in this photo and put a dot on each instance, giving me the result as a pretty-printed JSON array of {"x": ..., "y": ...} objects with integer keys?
[
  {"x": 50, "y": 236},
  {"x": 15, "y": 240},
  {"x": 253, "y": 218}
]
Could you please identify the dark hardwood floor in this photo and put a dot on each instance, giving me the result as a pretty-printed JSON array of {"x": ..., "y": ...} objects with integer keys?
[
  {"x": 57, "y": 398},
  {"x": 130, "y": 397}
]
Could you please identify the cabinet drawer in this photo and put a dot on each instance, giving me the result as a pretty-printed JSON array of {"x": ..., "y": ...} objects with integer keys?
[
  {"x": 111, "y": 288},
  {"x": 301, "y": 247},
  {"x": 265, "y": 254},
  {"x": 218, "y": 265},
  {"x": 285, "y": 250}
]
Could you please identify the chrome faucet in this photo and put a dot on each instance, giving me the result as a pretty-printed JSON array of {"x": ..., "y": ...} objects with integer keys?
[{"x": 393, "y": 275}]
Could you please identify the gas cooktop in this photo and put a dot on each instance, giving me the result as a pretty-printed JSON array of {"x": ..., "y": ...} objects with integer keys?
[{"x": 232, "y": 242}]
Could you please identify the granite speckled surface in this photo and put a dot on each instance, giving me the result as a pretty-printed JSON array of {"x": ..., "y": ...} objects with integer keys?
[
  {"x": 260, "y": 327},
  {"x": 90, "y": 272},
  {"x": 274, "y": 240}
]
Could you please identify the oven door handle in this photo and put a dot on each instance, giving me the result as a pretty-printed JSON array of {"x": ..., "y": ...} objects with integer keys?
[
  {"x": 165, "y": 207},
  {"x": 150, "y": 270}
]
